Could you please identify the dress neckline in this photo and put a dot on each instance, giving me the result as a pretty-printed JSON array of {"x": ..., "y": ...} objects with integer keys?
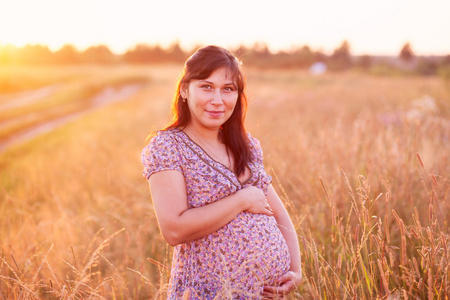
[{"x": 217, "y": 162}]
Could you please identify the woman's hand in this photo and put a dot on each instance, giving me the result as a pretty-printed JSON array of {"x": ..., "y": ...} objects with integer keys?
[
  {"x": 255, "y": 201},
  {"x": 285, "y": 284}
]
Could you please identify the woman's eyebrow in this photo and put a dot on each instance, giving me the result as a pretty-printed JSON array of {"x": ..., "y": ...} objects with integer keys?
[
  {"x": 210, "y": 82},
  {"x": 205, "y": 81}
]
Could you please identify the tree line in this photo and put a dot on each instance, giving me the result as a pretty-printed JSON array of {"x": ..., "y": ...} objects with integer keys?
[{"x": 258, "y": 55}]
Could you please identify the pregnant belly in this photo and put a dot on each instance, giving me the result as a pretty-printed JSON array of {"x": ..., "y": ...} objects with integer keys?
[
  {"x": 257, "y": 247},
  {"x": 246, "y": 254}
]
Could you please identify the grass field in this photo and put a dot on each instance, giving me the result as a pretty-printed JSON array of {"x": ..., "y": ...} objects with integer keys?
[{"x": 362, "y": 163}]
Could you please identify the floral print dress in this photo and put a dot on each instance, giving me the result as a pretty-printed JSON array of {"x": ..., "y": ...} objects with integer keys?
[{"x": 236, "y": 261}]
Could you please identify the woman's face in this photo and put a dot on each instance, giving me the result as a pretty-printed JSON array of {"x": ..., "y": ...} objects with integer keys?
[{"x": 212, "y": 100}]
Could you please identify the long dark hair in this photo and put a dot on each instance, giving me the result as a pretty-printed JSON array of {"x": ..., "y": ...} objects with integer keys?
[{"x": 201, "y": 65}]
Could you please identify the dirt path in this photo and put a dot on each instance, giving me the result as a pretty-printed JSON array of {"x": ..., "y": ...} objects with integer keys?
[
  {"x": 107, "y": 96},
  {"x": 20, "y": 99}
]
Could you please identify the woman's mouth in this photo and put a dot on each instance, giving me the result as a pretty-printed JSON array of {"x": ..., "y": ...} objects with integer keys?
[{"x": 215, "y": 113}]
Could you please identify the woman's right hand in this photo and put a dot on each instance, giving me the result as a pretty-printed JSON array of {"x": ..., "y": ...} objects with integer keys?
[{"x": 255, "y": 201}]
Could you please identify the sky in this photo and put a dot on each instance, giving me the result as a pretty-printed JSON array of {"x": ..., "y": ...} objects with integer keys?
[{"x": 375, "y": 27}]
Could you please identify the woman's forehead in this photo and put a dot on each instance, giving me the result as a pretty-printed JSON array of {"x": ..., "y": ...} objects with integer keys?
[{"x": 223, "y": 73}]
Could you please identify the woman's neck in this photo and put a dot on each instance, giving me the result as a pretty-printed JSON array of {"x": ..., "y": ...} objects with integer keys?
[
  {"x": 207, "y": 135},
  {"x": 211, "y": 143}
]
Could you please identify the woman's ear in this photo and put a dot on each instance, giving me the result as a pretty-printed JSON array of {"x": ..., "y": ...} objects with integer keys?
[{"x": 183, "y": 91}]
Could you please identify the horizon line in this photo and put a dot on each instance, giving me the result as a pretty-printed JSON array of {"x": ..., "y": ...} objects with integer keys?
[{"x": 195, "y": 46}]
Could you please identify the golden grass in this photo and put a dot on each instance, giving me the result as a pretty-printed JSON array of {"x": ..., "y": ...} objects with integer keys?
[{"x": 366, "y": 185}]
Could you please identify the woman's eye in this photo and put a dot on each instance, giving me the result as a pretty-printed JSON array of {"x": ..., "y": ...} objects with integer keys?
[
  {"x": 229, "y": 89},
  {"x": 207, "y": 87}
]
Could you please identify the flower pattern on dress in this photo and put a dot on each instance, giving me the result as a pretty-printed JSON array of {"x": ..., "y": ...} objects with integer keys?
[{"x": 236, "y": 261}]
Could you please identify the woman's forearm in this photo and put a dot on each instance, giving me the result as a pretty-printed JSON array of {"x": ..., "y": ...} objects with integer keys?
[
  {"x": 180, "y": 224},
  {"x": 195, "y": 223},
  {"x": 290, "y": 235},
  {"x": 287, "y": 229}
]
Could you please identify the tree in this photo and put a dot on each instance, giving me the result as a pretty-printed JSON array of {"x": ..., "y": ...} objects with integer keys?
[
  {"x": 143, "y": 53},
  {"x": 406, "y": 53},
  {"x": 34, "y": 54},
  {"x": 364, "y": 62},
  {"x": 304, "y": 57},
  {"x": 175, "y": 53},
  {"x": 98, "y": 54},
  {"x": 341, "y": 58},
  {"x": 68, "y": 54}
]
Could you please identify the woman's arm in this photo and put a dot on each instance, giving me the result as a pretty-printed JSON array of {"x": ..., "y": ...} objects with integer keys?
[
  {"x": 180, "y": 224},
  {"x": 289, "y": 281}
]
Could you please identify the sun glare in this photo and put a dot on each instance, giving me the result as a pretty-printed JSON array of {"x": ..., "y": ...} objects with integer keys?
[{"x": 380, "y": 27}]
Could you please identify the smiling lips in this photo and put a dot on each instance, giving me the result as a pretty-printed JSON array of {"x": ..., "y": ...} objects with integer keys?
[{"x": 215, "y": 113}]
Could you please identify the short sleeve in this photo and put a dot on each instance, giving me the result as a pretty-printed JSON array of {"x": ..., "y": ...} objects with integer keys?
[
  {"x": 161, "y": 154},
  {"x": 257, "y": 157},
  {"x": 255, "y": 149}
]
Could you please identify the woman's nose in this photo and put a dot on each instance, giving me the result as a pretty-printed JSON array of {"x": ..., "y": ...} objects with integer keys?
[{"x": 216, "y": 98}]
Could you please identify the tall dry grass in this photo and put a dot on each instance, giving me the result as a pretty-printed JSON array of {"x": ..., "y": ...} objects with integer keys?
[{"x": 365, "y": 181}]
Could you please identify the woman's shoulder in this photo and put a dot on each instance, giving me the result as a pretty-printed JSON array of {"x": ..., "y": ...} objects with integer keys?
[
  {"x": 161, "y": 153},
  {"x": 162, "y": 140},
  {"x": 255, "y": 148},
  {"x": 164, "y": 136},
  {"x": 253, "y": 142}
]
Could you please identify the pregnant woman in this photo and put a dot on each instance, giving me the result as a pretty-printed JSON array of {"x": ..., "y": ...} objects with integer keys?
[{"x": 214, "y": 202}]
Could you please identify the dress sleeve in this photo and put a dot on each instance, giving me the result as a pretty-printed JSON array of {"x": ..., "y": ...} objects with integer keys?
[
  {"x": 255, "y": 149},
  {"x": 160, "y": 154},
  {"x": 257, "y": 157}
]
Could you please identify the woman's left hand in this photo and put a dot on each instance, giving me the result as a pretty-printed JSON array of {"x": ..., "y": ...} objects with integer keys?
[{"x": 285, "y": 284}]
